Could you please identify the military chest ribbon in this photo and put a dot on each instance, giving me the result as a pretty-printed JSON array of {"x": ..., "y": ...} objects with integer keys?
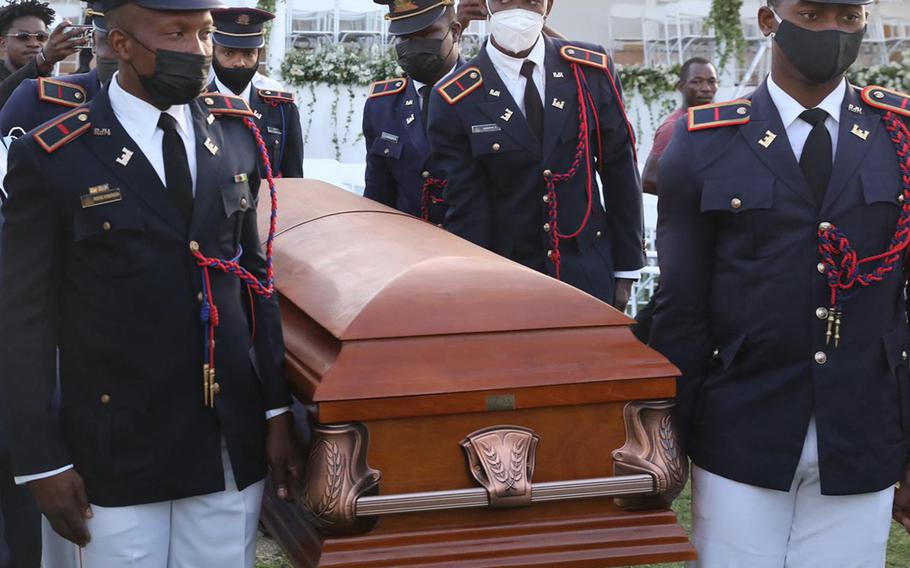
[{"x": 843, "y": 267}]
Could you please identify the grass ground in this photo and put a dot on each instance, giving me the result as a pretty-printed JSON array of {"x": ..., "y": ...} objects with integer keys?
[{"x": 270, "y": 556}]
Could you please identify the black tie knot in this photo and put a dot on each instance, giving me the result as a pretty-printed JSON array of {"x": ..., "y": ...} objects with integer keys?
[
  {"x": 527, "y": 70},
  {"x": 814, "y": 116},
  {"x": 167, "y": 122}
]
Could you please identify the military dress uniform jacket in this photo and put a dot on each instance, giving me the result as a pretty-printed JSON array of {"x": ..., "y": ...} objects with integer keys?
[
  {"x": 98, "y": 261},
  {"x": 743, "y": 302},
  {"x": 36, "y": 101},
  {"x": 399, "y": 163},
  {"x": 496, "y": 194},
  {"x": 278, "y": 118}
]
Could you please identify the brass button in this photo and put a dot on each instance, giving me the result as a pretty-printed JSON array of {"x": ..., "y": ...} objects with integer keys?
[
  {"x": 821, "y": 358},
  {"x": 900, "y": 198},
  {"x": 716, "y": 353},
  {"x": 276, "y": 142},
  {"x": 243, "y": 203},
  {"x": 473, "y": 75},
  {"x": 425, "y": 174},
  {"x": 105, "y": 399},
  {"x": 820, "y": 267},
  {"x": 194, "y": 246},
  {"x": 496, "y": 147},
  {"x": 200, "y": 297},
  {"x": 546, "y": 198},
  {"x": 878, "y": 95},
  {"x": 825, "y": 226},
  {"x": 599, "y": 234},
  {"x": 741, "y": 111},
  {"x": 106, "y": 226},
  {"x": 77, "y": 96},
  {"x": 386, "y": 151},
  {"x": 216, "y": 388},
  {"x": 546, "y": 227},
  {"x": 903, "y": 355},
  {"x": 547, "y": 174},
  {"x": 549, "y": 254},
  {"x": 82, "y": 117},
  {"x": 736, "y": 203},
  {"x": 209, "y": 101},
  {"x": 821, "y": 313}
]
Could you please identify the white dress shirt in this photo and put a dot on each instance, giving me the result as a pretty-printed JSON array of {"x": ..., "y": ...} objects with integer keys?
[
  {"x": 509, "y": 69},
  {"x": 418, "y": 85},
  {"x": 259, "y": 81},
  {"x": 798, "y": 130}
]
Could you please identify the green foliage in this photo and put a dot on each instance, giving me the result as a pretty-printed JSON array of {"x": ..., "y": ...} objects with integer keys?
[
  {"x": 653, "y": 83},
  {"x": 267, "y": 5},
  {"x": 895, "y": 75},
  {"x": 728, "y": 29}
]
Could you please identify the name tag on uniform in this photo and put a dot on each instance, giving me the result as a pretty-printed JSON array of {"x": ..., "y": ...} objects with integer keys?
[
  {"x": 273, "y": 130},
  {"x": 101, "y": 195},
  {"x": 389, "y": 137},
  {"x": 485, "y": 128}
]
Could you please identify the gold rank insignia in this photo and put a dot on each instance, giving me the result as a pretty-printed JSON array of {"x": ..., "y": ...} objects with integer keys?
[
  {"x": 887, "y": 99},
  {"x": 582, "y": 56},
  {"x": 60, "y": 92},
  {"x": 715, "y": 115},
  {"x": 271, "y": 96},
  {"x": 243, "y": 20},
  {"x": 461, "y": 85},
  {"x": 389, "y": 87}
]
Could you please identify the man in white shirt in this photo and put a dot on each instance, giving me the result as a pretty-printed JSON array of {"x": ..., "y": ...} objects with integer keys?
[
  {"x": 118, "y": 217},
  {"x": 539, "y": 156},
  {"x": 782, "y": 242}
]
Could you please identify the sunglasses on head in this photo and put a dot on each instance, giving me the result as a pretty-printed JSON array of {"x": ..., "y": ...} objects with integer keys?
[{"x": 25, "y": 36}]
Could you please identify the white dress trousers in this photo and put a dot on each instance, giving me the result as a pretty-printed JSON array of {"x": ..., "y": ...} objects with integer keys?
[
  {"x": 217, "y": 530},
  {"x": 743, "y": 526}
]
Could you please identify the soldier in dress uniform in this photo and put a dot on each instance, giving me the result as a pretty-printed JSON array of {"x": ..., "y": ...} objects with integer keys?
[
  {"x": 783, "y": 251},
  {"x": 131, "y": 246},
  {"x": 239, "y": 39},
  {"x": 36, "y": 101},
  {"x": 400, "y": 171},
  {"x": 522, "y": 132}
]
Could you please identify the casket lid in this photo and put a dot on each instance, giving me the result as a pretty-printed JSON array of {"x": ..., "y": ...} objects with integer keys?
[{"x": 360, "y": 277}]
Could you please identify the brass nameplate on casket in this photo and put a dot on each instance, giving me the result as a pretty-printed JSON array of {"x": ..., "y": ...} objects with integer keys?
[{"x": 464, "y": 410}]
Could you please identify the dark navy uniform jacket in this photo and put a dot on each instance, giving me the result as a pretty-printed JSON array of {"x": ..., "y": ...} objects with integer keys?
[
  {"x": 36, "y": 101},
  {"x": 278, "y": 118},
  {"x": 495, "y": 169},
  {"x": 97, "y": 260},
  {"x": 399, "y": 163},
  {"x": 743, "y": 305}
]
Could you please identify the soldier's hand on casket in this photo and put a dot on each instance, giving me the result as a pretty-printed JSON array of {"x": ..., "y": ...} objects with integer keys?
[
  {"x": 622, "y": 291},
  {"x": 900, "y": 510},
  {"x": 471, "y": 10},
  {"x": 62, "y": 499},
  {"x": 285, "y": 458}
]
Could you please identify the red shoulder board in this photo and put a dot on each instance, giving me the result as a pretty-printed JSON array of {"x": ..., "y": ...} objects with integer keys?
[
  {"x": 270, "y": 96},
  {"x": 715, "y": 115},
  {"x": 389, "y": 87},
  {"x": 60, "y": 92},
  {"x": 886, "y": 99},
  {"x": 583, "y": 56},
  {"x": 461, "y": 85},
  {"x": 62, "y": 130},
  {"x": 220, "y": 104}
]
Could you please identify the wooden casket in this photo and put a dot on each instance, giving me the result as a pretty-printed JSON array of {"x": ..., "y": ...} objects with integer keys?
[{"x": 463, "y": 411}]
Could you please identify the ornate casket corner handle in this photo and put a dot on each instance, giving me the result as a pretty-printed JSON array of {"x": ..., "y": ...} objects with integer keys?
[
  {"x": 652, "y": 447},
  {"x": 336, "y": 476},
  {"x": 501, "y": 459}
]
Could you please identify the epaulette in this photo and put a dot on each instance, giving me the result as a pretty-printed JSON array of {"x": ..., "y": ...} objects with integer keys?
[
  {"x": 388, "y": 87},
  {"x": 461, "y": 85},
  {"x": 582, "y": 56},
  {"x": 729, "y": 113},
  {"x": 886, "y": 99},
  {"x": 63, "y": 130},
  {"x": 220, "y": 104},
  {"x": 60, "y": 92},
  {"x": 271, "y": 96}
]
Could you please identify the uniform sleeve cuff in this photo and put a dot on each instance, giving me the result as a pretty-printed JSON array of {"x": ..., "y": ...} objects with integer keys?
[
  {"x": 628, "y": 274},
  {"x": 269, "y": 414},
  {"x": 28, "y": 478}
]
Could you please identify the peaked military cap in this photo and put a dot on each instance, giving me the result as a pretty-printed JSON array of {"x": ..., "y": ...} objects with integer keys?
[
  {"x": 94, "y": 14},
  {"x": 410, "y": 16},
  {"x": 240, "y": 28},
  {"x": 169, "y": 5}
]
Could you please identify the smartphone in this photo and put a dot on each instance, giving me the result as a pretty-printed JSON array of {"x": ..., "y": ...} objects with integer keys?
[{"x": 87, "y": 31}]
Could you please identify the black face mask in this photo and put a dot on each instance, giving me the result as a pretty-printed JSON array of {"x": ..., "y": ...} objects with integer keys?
[
  {"x": 819, "y": 55},
  {"x": 178, "y": 77},
  {"x": 422, "y": 60},
  {"x": 105, "y": 67},
  {"x": 234, "y": 78}
]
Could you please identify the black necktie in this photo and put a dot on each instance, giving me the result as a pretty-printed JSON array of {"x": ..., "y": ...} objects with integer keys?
[
  {"x": 425, "y": 105},
  {"x": 818, "y": 154},
  {"x": 179, "y": 181},
  {"x": 533, "y": 106}
]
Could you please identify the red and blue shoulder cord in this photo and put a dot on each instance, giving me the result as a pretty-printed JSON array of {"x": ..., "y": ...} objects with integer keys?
[
  {"x": 209, "y": 311},
  {"x": 842, "y": 264},
  {"x": 582, "y": 152},
  {"x": 427, "y": 196}
]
